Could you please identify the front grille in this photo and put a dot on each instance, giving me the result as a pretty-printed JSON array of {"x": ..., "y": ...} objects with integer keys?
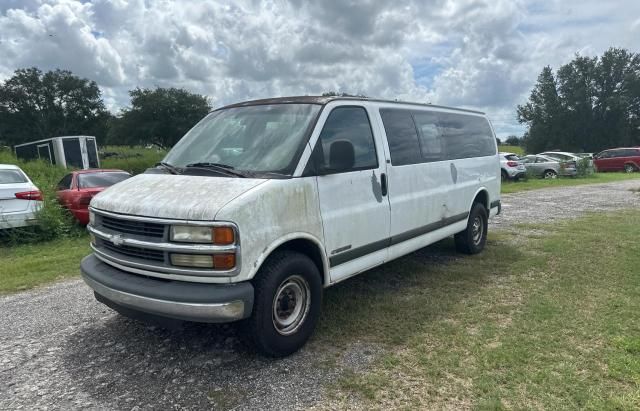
[
  {"x": 133, "y": 227},
  {"x": 136, "y": 252}
]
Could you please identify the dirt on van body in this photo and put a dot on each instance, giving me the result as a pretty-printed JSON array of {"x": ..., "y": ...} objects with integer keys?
[{"x": 61, "y": 349}]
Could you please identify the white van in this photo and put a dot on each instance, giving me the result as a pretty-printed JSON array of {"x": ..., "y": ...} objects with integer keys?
[{"x": 264, "y": 203}]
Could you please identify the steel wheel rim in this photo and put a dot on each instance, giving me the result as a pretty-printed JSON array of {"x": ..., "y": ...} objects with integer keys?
[
  {"x": 549, "y": 174},
  {"x": 291, "y": 305},
  {"x": 477, "y": 229}
]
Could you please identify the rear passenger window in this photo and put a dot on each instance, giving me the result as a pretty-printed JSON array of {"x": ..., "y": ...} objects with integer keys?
[
  {"x": 466, "y": 136},
  {"x": 431, "y": 144},
  {"x": 65, "y": 183},
  {"x": 346, "y": 125},
  {"x": 402, "y": 137}
]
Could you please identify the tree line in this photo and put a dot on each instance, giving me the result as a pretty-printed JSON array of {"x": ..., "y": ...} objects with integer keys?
[
  {"x": 587, "y": 105},
  {"x": 36, "y": 105}
]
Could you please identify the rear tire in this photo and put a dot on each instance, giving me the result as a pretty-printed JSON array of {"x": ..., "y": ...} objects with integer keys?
[
  {"x": 629, "y": 168},
  {"x": 504, "y": 176},
  {"x": 473, "y": 239},
  {"x": 287, "y": 302}
]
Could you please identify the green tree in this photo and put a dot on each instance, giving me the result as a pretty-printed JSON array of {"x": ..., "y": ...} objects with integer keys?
[
  {"x": 592, "y": 103},
  {"x": 513, "y": 141},
  {"x": 542, "y": 113},
  {"x": 158, "y": 116},
  {"x": 36, "y": 105}
]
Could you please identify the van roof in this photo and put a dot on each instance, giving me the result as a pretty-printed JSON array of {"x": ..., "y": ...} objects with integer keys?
[{"x": 326, "y": 99}]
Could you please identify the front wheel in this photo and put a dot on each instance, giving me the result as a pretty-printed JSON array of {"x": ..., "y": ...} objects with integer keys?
[
  {"x": 550, "y": 174},
  {"x": 473, "y": 239},
  {"x": 288, "y": 298}
]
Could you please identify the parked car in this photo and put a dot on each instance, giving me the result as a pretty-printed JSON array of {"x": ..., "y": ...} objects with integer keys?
[
  {"x": 618, "y": 159},
  {"x": 264, "y": 203},
  {"x": 20, "y": 199},
  {"x": 547, "y": 167},
  {"x": 77, "y": 188},
  {"x": 511, "y": 167}
]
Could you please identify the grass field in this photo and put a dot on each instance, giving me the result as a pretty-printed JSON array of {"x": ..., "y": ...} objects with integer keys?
[
  {"x": 546, "y": 321},
  {"x": 132, "y": 159},
  {"x": 511, "y": 149},
  {"x": 536, "y": 183},
  {"x": 29, "y": 265}
]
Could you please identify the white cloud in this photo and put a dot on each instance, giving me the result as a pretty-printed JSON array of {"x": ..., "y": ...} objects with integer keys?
[{"x": 473, "y": 53}]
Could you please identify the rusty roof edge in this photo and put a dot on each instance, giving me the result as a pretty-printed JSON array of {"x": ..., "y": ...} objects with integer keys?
[{"x": 326, "y": 99}]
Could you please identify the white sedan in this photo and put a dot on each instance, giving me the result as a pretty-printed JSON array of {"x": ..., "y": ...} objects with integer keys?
[{"x": 20, "y": 199}]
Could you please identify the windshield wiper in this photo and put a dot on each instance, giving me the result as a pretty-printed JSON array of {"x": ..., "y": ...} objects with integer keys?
[
  {"x": 222, "y": 168},
  {"x": 172, "y": 169}
]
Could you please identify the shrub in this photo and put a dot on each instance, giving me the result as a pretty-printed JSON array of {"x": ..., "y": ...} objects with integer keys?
[
  {"x": 132, "y": 159},
  {"x": 584, "y": 168}
]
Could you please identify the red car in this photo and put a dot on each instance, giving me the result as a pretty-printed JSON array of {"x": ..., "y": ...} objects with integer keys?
[
  {"x": 77, "y": 188},
  {"x": 618, "y": 159}
]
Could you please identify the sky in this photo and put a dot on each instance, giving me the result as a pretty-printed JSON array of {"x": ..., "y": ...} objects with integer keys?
[{"x": 478, "y": 54}]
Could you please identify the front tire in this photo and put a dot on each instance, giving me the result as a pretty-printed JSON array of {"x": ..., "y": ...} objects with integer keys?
[
  {"x": 286, "y": 308},
  {"x": 548, "y": 174},
  {"x": 473, "y": 239}
]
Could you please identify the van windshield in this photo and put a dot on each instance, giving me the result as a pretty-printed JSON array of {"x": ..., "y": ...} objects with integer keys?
[{"x": 258, "y": 139}]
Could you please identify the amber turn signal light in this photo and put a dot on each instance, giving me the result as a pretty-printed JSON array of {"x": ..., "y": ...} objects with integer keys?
[
  {"x": 224, "y": 261},
  {"x": 223, "y": 236}
]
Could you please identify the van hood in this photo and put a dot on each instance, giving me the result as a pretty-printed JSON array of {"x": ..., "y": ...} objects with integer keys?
[{"x": 172, "y": 196}]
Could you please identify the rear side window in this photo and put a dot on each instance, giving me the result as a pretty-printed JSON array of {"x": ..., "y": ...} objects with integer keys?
[
  {"x": 431, "y": 137},
  {"x": 347, "y": 124},
  {"x": 402, "y": 137},
  {"x": 466, "y": 136},
  {"x": 65, "y": 183},
  {"x": 12, "y": 177},
  {"x": 101, "y": 179}
]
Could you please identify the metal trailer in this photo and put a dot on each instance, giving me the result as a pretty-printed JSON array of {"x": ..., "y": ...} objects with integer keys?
[{"x": 79, "y": 152}]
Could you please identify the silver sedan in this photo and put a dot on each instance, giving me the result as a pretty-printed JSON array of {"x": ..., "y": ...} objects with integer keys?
[{"x": 547, "y": 167}]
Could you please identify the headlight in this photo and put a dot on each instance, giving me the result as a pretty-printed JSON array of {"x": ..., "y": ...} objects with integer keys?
[
  {"x": 222, "y": 235},
  {"x": 92, "y": 218}
]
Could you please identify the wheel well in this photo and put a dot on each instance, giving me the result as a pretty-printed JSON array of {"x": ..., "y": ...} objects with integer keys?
[
  {"x": 483, "y": 198},
  {"x": 308, "y": 248}
]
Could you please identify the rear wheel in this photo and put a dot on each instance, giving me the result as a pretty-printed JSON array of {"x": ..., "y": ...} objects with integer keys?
[
  {"x": 550, "y": 174},
  {"x": 629, "y": 168},
  {"x": 473, "y": 239},
  {"x": 504, "y": 176},
  {"x": 288, "y": 294}
]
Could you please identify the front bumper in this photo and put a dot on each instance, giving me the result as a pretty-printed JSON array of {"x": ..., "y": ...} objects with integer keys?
[{"x": 179, "y": 300}]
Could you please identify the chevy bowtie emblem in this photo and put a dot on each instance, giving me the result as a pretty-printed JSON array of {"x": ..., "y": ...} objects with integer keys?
[{"x": 117, "y": 240}]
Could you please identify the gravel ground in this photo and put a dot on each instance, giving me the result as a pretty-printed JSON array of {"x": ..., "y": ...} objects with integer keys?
[{"x": 60, "y": 349}]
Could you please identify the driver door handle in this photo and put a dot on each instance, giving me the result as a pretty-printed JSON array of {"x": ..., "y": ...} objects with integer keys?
[{"x": 383, "y": 184}]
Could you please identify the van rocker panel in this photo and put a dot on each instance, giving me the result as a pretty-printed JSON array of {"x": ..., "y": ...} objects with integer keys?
[{"x": 181, "y": 300}]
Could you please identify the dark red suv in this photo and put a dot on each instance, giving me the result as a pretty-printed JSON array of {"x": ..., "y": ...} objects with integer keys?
[{"x": 618, "y": 159}]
